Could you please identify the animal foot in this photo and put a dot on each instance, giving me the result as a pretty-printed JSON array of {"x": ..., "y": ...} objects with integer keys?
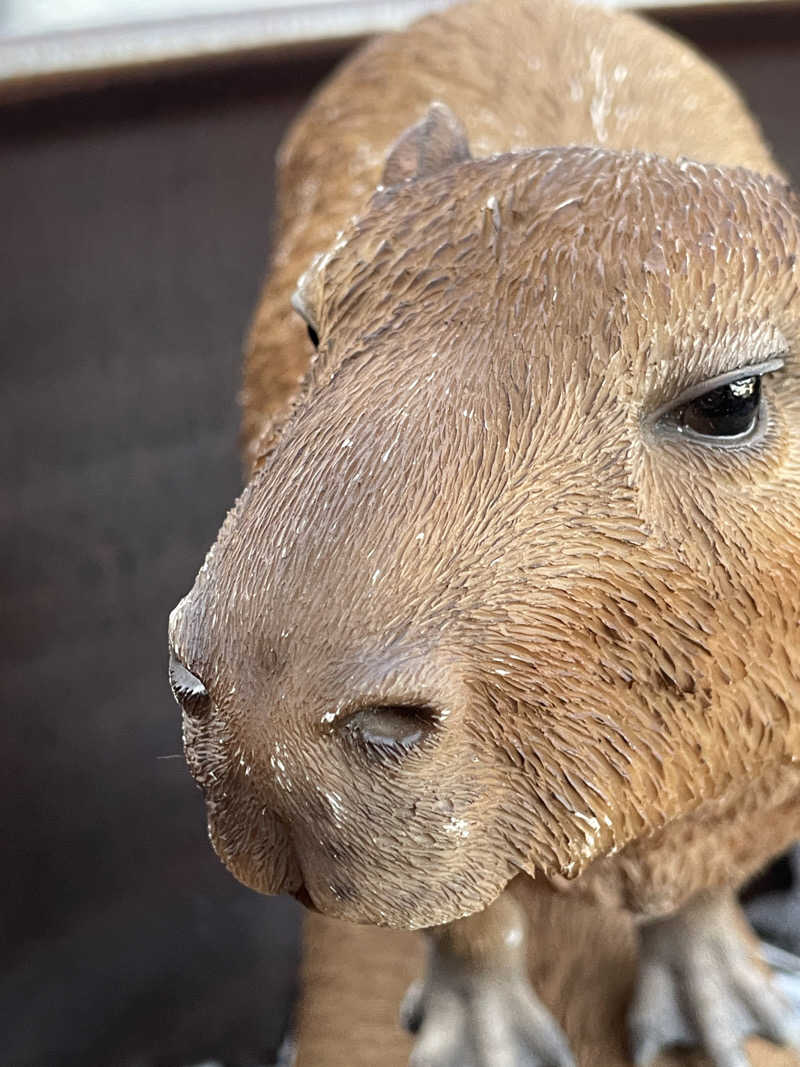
[
  {"x": 699, "y": 985},
  {"x": 481, "y": 1020}
]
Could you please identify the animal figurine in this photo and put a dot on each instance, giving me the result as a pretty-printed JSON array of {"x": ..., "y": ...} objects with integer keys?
[{"x": 512, "y": 589}]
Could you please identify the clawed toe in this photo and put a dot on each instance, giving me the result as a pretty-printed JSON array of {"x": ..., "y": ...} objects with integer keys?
[
  {"x": 483, "y": 1022},
  {"x": 700, "y": 986},
  {"x": 412, "y": 1009}
]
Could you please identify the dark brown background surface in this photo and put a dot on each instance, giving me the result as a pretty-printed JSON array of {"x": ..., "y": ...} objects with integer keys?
[{"x": 135, "y": 228}]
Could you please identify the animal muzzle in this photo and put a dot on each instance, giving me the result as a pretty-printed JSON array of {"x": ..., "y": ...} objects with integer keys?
[
  {"x": 260, "y": 853},
  {"x": 250, "y": 838},
  {"x": 253, "y": 842}
]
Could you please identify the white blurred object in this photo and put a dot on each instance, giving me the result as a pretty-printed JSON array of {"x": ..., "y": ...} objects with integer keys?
[
  {"x": 42, "y": 42},
  {"x": 23, "y": 18},
  {"x": 46, "y": 44}
]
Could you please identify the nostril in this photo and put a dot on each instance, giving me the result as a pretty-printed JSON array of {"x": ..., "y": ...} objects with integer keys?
[
  {"x": 391, "y": 728},
  {"x": 189, "y": 691}
]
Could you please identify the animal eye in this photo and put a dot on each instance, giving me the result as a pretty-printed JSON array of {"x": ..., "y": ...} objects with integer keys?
[
  {"x": 391, "y": 728},
  {"x": 730, "y": 410}
]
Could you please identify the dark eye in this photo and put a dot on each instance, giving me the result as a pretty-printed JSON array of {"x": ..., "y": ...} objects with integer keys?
[
  {"x": 313, "y": 335},
  {"x": 391, "y": 728},
  {"x": 189, "y": 691},
  {"x": 730, "y": 410}
]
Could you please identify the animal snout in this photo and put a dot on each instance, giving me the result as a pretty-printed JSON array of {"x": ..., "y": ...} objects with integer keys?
[{"x": 189, "y": 691}]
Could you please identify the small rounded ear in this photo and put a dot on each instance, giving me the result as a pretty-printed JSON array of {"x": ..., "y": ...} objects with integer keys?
[{"x": 437, "y": 141}]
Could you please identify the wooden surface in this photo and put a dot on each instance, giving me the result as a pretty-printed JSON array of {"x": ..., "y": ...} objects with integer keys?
[{"x": 135, "y": 230}]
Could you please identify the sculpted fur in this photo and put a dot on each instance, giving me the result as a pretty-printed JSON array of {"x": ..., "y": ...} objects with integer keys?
[{"x": 513, "y": 584}]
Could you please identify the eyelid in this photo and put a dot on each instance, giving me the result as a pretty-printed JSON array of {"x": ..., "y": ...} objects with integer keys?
[{"x": 752, "y": 370}]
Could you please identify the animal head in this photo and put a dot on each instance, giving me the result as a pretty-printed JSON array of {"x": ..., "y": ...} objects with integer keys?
[{"x": 517, "y": 580}]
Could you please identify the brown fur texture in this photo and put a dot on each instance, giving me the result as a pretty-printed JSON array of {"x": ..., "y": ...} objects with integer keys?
[
  {"x": 471, "y": 508},
  {"x": 582, "y": 960},
  {"x": 518, "y": 74}
]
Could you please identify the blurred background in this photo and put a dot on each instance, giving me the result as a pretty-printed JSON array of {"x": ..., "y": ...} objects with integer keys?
[{"x": 137, "y": 146}]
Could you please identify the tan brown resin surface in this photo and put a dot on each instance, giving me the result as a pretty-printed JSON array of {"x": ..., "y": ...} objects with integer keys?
[
  {"x": 608, "y": 616},
  {"x": 468, "y": 526},
  {"x": 518, "y": 75},
  {"x": 581, "y": 960}
]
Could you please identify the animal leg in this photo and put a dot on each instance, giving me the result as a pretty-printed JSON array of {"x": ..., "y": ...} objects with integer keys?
[
  {"x": 700, "y": 984},
  {"x": 475, "y": 1006}
]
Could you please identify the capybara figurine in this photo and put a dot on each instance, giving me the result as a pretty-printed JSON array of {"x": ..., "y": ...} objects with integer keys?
[{"x": 513, "y": 588}]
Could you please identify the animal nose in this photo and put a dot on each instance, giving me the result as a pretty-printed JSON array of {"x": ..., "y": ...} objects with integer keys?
[
  {"x": 189, "y": 691},
  {"x": 392, "y": 727}
]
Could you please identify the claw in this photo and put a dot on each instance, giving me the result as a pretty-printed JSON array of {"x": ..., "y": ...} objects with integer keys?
[
  {"x": 482, "y": 1021},
  {"x": 773, "y": 1017},
  {"x": 644, "y": 1048},
  {"x": 411, "y": 1010},
  {"x": 730, "y": 1057},
  {"x": 699, "y": 985}
]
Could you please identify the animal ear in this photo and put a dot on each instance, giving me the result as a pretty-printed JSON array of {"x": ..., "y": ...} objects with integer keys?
[{"x": 437, "y": 141}]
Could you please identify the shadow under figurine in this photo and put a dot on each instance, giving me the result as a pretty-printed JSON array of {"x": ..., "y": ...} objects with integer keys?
[{"x": 513, "y": 587}]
